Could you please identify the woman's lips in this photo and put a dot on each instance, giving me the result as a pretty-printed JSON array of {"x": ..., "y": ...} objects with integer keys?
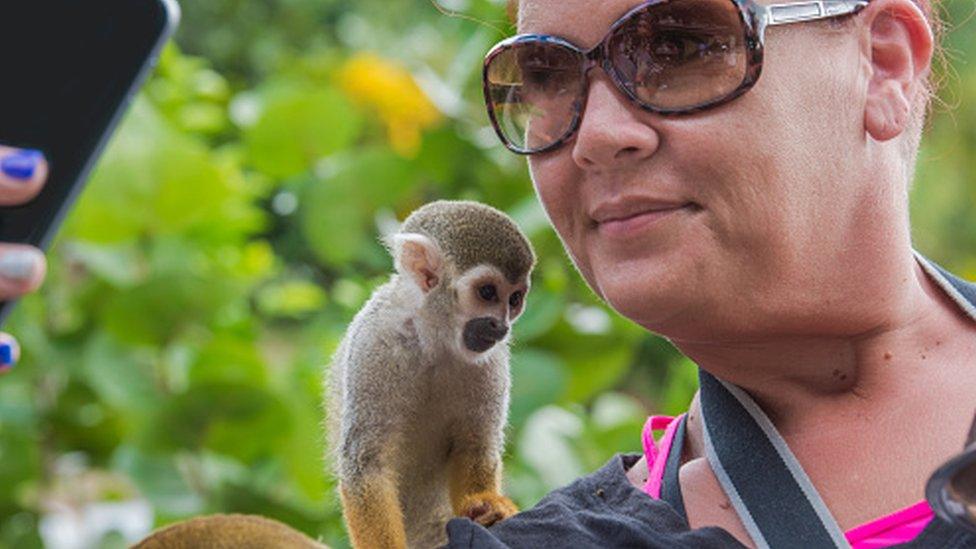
[{"x": 627, "y": 227}]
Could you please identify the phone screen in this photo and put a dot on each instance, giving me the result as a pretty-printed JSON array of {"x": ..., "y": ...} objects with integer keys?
[{"x": 68, "y": 69}]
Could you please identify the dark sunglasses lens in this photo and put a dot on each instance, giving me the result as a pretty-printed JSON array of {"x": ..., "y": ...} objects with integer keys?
[
  {"x": 680, "y": 55},
  {"x": 534, "y": 92}
]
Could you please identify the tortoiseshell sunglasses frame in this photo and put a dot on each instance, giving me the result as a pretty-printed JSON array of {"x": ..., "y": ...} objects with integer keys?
[{"x": 755, "y": 19}]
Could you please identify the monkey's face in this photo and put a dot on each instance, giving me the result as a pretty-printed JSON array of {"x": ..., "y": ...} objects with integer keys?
[{"x": 487, "y": 304}]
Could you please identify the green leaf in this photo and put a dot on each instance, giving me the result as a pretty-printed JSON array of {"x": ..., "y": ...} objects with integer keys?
[
  {"x": 681, "y": 385},
  {"x": 290, "y": 298},
  {"x": 228, "y": 358},
  {"x": 592, "y": 373},
  {"x": 298, "y": 128},
  {"x": 118, "y": 376},
  {"x": 337, "y": 212},
  {"x": 155, "y": 180},
  {"x": 538, "y": 379},
  {"x": 121, "y": 265},
  {"x": 159, "y": 480},
  {"x": 542, "y": 310},
  {"x": 232, "y": 419}
]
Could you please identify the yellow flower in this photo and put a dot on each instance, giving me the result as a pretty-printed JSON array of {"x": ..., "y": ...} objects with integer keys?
[{"x": 391, "y": 91}]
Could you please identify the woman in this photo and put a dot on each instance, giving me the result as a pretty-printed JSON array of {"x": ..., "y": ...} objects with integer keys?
[
  {"x": 22, "y": 268},
  {"x": 762, "y": 227}
]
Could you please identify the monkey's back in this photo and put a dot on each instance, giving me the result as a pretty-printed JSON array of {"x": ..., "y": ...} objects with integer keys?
[{"x": 365, "y": 335}]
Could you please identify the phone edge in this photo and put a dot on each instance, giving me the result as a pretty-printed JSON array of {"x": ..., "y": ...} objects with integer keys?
[{"x": 173, "y": 15}]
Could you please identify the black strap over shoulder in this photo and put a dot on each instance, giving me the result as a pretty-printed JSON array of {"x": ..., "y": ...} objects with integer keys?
[{"x": 768, "y": 488}]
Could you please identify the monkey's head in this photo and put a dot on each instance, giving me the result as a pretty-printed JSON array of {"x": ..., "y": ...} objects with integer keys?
[{"x": 472, "y": 264}]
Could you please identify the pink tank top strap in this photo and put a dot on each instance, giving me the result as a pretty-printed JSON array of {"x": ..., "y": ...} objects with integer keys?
[
  {"x": 898, "y": 527},
  {"x": 657, "y": 459}
]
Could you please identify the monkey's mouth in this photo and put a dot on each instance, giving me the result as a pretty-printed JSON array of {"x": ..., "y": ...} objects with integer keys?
[{"x": 481, "y": 334}]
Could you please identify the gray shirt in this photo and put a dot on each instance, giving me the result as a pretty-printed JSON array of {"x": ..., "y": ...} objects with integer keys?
[{"x": 604, "y": 510}]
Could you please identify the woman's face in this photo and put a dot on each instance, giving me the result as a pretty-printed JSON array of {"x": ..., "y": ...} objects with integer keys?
[{"x": 772, "y": 201}]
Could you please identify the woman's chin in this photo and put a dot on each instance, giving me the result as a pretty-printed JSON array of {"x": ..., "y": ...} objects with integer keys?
[
  {"x": 649, "y": 284},
  {"x": 644, "y": 302}
]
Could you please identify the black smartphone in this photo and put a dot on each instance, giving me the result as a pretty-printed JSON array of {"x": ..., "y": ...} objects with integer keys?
[{"x": 68, "y": 70}]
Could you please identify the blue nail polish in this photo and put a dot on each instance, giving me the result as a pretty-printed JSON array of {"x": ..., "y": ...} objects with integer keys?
[
  {"x": 6, "y": 355},
  {"x": 22, "y": 164}
]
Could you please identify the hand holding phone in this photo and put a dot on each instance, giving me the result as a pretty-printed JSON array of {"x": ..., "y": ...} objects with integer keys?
[
  {"x": 22, "y": 266},
  {"x": 68, "y": 89}
]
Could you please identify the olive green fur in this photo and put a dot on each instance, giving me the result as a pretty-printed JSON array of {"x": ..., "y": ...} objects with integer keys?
[
  {"x": 471, "y": 233},
  {"x": 228, "y": 532}
]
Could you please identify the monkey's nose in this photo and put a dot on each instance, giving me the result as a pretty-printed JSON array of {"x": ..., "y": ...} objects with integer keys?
[
  {"x": 480, "y": 334},
  {"x": 497, "y": 327}
]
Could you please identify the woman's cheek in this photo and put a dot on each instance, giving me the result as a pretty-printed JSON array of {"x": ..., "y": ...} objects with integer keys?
[
  {"x": 552, "y": 191},
  {"x": 560, "y": 213},
  {"x": 563, "y": 206}
]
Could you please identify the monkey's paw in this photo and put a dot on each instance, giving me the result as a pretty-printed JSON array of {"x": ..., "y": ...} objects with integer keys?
[{"x": 487, "y": 508}]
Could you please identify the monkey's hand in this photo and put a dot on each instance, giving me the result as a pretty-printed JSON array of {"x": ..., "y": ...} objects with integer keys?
[{"x": 487, "y": 508}]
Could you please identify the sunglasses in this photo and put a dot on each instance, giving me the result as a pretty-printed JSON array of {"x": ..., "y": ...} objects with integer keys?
[
  {"x": 666, "y": 56},
  {"x": 951, "y": 490}
]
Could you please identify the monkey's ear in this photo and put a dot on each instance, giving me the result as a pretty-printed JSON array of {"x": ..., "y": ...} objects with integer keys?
[{"x": 419, "y": 258}]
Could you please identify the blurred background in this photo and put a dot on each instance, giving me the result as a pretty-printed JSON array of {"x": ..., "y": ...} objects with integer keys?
[{"x": 173, "y": 361}]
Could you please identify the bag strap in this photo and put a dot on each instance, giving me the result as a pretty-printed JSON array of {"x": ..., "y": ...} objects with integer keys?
[
  {"x": 670, "y": 485},
  {"x": 768, "y": 488}
]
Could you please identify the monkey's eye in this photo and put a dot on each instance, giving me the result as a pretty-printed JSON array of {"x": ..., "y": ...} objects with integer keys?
[
  {"x": 515, "y": 299},
  {"x": 488, "y": 292}
]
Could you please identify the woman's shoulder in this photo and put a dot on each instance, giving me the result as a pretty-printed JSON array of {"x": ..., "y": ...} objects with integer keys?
[
  {"x": 602, "y": 509},
  {"x": 637, "y": 472}
]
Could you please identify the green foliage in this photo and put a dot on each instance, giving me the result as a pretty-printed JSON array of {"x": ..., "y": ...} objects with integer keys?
[{"x": 232, "y": 229}]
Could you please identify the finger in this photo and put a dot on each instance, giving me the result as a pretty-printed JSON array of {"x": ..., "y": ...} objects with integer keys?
[
  {"x": 489, "y": 518},
  {"x": 22, "y": 175},
  {"x": 9, "y": 352},
  {"x": 22, "y": 270},
  {"x": 477, "y": 510}
]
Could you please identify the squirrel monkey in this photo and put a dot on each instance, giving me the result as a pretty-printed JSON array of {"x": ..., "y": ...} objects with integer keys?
[{"x": 418, "y": 388}]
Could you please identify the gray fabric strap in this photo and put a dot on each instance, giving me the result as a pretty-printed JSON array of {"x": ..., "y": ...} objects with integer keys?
[
  {"x": 772, "y": 495},
  {"x": 723, "y": 478}
]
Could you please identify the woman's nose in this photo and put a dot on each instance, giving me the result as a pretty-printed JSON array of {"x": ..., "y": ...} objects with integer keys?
[{"x": 611, "y": 133}]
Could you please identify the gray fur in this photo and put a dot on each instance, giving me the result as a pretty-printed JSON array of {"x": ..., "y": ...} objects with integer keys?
[{"x": 398, "y": 396}]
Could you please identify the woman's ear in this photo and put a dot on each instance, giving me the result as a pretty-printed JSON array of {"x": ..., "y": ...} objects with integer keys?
[
  {"x": 899, "y": 46},
  {"x": 418, "y": 258}
]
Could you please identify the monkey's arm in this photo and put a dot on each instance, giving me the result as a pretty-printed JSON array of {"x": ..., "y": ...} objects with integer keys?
[
  {"x": 372, "y": 510},
  {"x": 474, "y": 465},
  {"x": 474, "y": 475}
]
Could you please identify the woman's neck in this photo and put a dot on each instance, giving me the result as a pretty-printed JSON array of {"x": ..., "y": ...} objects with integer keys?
[
  {"x": 867, "y": 436},
  {"x": 922, "y": 342}
]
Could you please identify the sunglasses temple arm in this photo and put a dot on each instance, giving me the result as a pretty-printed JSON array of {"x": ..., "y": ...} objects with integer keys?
[{"x": 782, "y": 14}]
